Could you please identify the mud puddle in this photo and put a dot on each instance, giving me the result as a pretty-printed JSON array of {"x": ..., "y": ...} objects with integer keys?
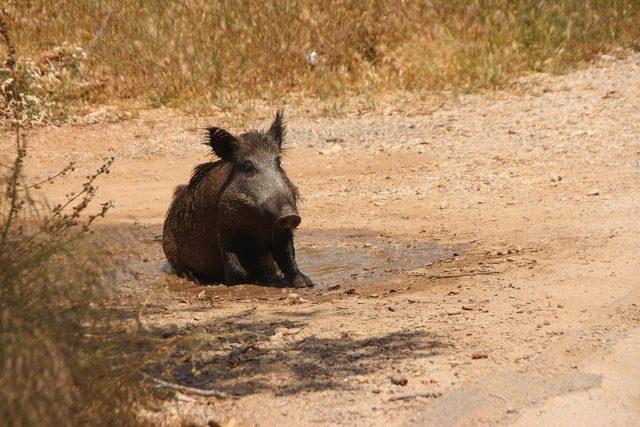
[
  {"x": 341, "y": 258},
  {"x": 329, "y": 258},
  {"x": 337, "y": 258}
]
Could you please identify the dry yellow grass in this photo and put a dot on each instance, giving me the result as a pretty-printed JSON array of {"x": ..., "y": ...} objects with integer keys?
[{"x": 202, "y": 52}]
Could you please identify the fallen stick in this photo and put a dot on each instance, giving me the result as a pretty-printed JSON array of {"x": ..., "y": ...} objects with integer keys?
[
  {"x": 405, "y": 396},
  {"x": 185, "y": 389},
  {"x": 477, "y": 273},
  {"x": 498, "y": 397}
]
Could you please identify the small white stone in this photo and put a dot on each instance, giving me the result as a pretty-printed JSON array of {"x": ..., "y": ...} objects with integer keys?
[{"x": 312, "y": 57}]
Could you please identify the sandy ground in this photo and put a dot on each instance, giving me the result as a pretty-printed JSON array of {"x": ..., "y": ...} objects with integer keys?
[{"x": 519, "y": 212}]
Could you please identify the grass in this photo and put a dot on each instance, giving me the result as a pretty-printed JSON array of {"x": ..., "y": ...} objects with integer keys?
[{"x": 204, "y": 54}]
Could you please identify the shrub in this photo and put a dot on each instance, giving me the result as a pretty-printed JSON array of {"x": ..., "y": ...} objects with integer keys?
[{"x": 65, "y": 356}]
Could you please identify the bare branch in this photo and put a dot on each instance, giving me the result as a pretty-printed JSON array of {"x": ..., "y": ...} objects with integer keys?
[{"x": 64, "y": 170}]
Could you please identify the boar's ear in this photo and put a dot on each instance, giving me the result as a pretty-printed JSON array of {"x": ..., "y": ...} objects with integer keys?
[
  {"x": 278, "y": 129},
  {"x": 222, "y": 142}
]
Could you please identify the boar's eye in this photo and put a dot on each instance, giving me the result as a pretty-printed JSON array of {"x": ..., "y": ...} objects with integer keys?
[
  {"x": 248, "y": 166},
  {"x": 279, "y": 162}
]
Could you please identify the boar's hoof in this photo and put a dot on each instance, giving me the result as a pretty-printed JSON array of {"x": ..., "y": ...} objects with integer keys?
[
  {"x": 235, "y": 277},
  {"x": 302, "y": 281},
  {"x": 270, "y": 279}
]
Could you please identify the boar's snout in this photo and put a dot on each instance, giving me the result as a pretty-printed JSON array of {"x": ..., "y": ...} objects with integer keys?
[
  {"x": 288, "y": 219},
  {"x": 288, "y": 222}
]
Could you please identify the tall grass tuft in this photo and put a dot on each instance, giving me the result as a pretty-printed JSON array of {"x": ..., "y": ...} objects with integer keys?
[
  {"x": 221, "y": 51},
  {"x": 65, "y": 357}
]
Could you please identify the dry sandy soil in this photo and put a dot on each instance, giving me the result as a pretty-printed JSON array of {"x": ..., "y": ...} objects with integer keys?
[{"x": 486, "y": 254}]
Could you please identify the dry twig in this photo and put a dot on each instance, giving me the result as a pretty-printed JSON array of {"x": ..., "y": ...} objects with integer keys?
[
  {"x": 476, "y": 273},
  {"x": 413, "y": 395},
  {"x": 186, "y": 389}
]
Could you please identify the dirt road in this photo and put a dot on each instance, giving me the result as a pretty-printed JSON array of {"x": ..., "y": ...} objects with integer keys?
[{"x": 487, "y": 253}]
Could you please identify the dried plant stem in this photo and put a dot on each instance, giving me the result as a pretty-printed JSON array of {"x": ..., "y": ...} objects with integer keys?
[
  {"x": 474, "y": 273},
  {"x": 12, "y": 190},
  {"x": 186, "y": 389},
  {"x": 11, "y": 49},
  {"x": 12, "y": 186},
  {"x": 406, "y": 396},
  {"x": 101, "y": 30},
  {"x": 64, "y": 170}
]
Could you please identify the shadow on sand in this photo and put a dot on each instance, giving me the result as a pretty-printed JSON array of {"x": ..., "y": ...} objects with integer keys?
[{"x": 243, "y": 357}]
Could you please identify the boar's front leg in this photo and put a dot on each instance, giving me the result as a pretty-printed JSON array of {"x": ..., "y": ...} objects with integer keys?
[
  {"x": 265, "y": 270},
  {"x": 285, "y": 256},
  {"x": 234, "y": 272}
]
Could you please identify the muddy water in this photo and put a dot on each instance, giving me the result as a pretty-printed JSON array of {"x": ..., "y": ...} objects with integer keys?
[
  {"x": 346, "y": 258},
  {"x": 336, "y": 258}
]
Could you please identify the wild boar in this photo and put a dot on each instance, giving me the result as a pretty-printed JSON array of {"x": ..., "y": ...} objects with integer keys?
[{"x": 233, "y": 222}]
